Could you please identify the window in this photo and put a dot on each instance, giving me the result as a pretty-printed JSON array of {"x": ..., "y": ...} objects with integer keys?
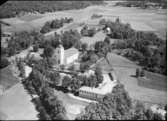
[{"x": 58, "y": 61}]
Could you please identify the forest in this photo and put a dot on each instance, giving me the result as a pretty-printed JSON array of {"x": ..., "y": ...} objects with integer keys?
[
  {"x": 15, "y": 8},
  {"x": 55, "y": 24}
]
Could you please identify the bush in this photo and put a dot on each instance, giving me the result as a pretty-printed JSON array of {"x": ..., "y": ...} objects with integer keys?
[
  {"x": 142, "y": 73},
  {"x": 4, "y": 62},
  {"x": 35, "y": 48},
  {"x": 137, "y": 72}
]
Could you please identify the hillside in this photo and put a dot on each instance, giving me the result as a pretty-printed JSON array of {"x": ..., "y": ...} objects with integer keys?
[{"x": 14, "y": 8}]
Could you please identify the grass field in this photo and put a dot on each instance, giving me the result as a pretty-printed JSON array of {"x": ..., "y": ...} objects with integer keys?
[
  {"x": 16, "y": 104},
  {"x": 30, "y": 17},
  {"x": 72, "y": 106},
  {"x": 99, "y": 36},
  {"x": 140, "y": 19},
  {"x": 148, "y": 83},
  {"x": 125, "y": 71},
  {"x": 7, "y": 80}
]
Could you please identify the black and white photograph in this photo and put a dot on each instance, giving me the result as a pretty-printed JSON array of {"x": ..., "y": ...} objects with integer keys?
[{"x": 83, "y": 60}]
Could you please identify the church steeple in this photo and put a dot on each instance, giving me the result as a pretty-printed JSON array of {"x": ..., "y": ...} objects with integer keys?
[{"x": 60, "y": 53}]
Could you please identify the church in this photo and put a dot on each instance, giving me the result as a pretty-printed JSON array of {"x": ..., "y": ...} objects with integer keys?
[{"x": 65, "y": 57}]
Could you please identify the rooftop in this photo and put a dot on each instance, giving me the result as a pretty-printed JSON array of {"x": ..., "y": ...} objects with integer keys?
[
  {"x": 70, "y": 52},
  {"x": 105, "y": 87}
]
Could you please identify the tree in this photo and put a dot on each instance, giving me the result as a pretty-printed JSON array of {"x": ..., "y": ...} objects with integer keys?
[
  {"x": 53, "y": 106},
  {"x": 55, "y": 78},
  {"x": 84, "y": 46},
  {"x": 70, "y": 39},
  {"x": 139, "y": 112},
  {"x": 99, "y": 75},
  {"x": 84, "y": 67},
  {"x": 35, "y": 48},
  {"x": 103, "y": 48},
  {"x": 142, "y": 73},
  {"x": 4, "y": 62},
  {"x": 46, "y": 28},
  {"x": 75, "y": 84},
  {"x": 48, "y": 51},
  {"x": 66, "y": 81},
  {"x": 107, "y": 40},
  {"x": 137, "y": 72}
]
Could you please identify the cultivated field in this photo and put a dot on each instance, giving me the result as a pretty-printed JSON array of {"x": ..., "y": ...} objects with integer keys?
[
  {"x": 99, "y": 36},
  {"x": 7, "y": 80},
  {"x": 140, "y": 19},
  {"x": 125, "y": 71},
  {"x": 16, "y": 104}
]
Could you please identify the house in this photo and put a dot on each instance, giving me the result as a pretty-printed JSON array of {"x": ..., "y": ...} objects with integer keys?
[
  {"x": 65, "y": 57},
  {"x": 28, "y": 70},
  {"x": 97, "y": 93}
]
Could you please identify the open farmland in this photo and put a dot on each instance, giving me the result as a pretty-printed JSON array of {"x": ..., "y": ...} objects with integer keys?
[
  {"x": 140, "y": 19},
  {"x": 125, "y": 71},
  {"x": 99, "y": 36},
  {"x": 16, "y": 104},
  {"x": 7, "y": 80},
  {"x": 30, "y": 17}
]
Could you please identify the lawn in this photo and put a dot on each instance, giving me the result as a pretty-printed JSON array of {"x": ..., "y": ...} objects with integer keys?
[
  {"x": 72, "y": 106},
  {"x": 99, "y": 36},
  {"x": 16, "y": 104},
  {"x": 30, "y": 17},
  {"x": 125, "y": 71}
]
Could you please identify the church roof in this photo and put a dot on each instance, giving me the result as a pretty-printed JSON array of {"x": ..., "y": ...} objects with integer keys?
[{"x": 71, "y": 51}]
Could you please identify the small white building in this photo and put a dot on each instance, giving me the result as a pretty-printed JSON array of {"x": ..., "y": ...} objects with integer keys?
[
  {"x": 28, "y": 70},
  {"x": 65, "y": 57}
]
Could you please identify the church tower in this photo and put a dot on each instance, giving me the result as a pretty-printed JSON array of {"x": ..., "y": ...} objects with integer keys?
[{"x": 60, "y": 53}]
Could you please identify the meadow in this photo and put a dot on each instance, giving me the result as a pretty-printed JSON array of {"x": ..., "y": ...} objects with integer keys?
[{"x": 140, "y": 19}]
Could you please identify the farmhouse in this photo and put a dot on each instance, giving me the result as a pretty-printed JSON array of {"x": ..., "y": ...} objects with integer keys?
[
  {"x": 97, "y": 93},
  {"x": 65, "y": 57}
]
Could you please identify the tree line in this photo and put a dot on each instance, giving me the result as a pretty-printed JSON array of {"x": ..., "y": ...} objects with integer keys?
[
  {"x": 55, "y": 24},
  {"x": 39, "y": 83}
]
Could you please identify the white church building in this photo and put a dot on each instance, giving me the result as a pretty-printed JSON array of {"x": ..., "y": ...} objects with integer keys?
[{"x": 65, "y": 57}]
